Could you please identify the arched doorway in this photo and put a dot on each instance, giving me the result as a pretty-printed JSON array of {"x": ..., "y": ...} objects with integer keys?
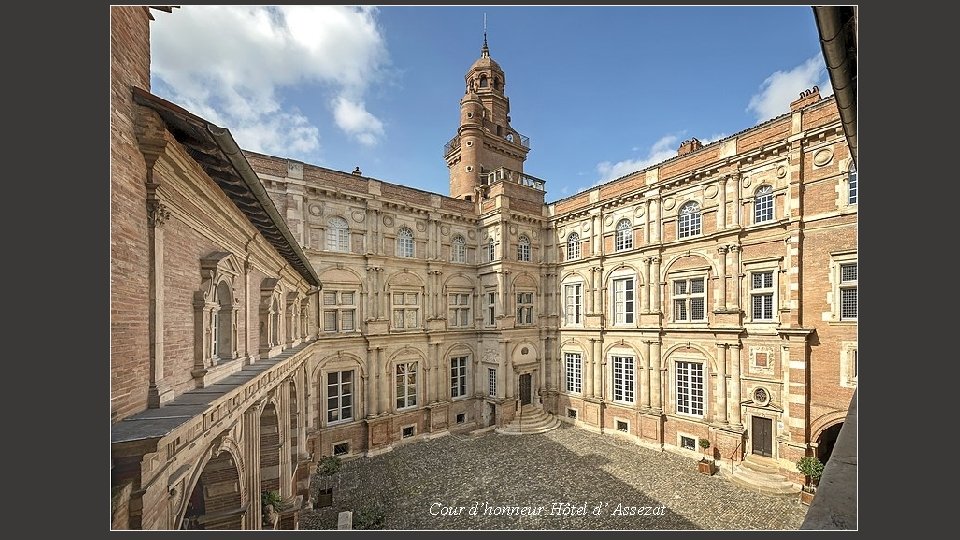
[
  {"x": 828, "y": 438},
  {"x": 215, "y": 502}
]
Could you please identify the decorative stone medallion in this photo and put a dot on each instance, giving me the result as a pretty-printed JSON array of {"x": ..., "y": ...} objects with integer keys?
[
  {"x": 639, "y": 212},
  {"x": 421, "y": 226},
  {"x": 358, "y": 216},
  {"x": 388, "y": 221},
  {"x": 781, "y": 171},
  {"x": 669, "y": 203},
  {"x": 822, "y": 156},
  {"x": 316, "y": 210},
  {"x": 711, "y": 192},
  {"x": 761, "y": 396},
  {"x": 746, "y": 181},
  {"x": 445, "y": 230}
]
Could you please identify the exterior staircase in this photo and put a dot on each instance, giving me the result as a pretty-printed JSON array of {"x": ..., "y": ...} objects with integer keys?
[
  {"x": 530, "y": 419},
  {"x": 761, "y": 474}
]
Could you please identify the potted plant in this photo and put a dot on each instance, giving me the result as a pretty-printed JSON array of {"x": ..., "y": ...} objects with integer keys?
[
  {"x": 706, "y": 465},
  {"x": 270, "y": 502},
  {"x": 326, "y": 468},
  {"x": 811, "y": 468}
]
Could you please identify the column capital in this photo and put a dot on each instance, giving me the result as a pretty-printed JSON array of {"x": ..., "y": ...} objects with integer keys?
[
  {"x": 157, "y": 213},
  {"x": 655, "y": 260},
  {"x": 722, "y": 249},
  {"x": 734, "y": 248}
]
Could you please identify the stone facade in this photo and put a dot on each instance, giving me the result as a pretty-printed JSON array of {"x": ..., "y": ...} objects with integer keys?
[{"x": 702, "y": 297}]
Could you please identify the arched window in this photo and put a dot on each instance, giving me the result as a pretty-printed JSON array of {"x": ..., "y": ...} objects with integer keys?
[
  {"x": 624, "y": 235},
  {"x": 852, "y": 184},
  {"x": 573, "y": 246},
  {"x": 221, "y": 323},
  {"x": 688, "y": 222},
  {"x": 338, "y": 235},
  {"x": 523, "y": 248},
  {"x": 491, "y": 250},
  {"x": 458, "y": 250},
  {"x": 405, "y": 242},
  {"x": 763, "y": 204},
  {"x": 483, "y": 81}
]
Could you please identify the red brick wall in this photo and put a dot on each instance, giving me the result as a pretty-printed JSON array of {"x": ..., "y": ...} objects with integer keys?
[
  {"x": 623, "y": 186},
  {"x": 129, "y": 290},
  {"x": 182, "y": 249},
  {"x": 819, "y": 114},
  {"x": 690, "y": 162},
  {"x": 779, "y": 129}
]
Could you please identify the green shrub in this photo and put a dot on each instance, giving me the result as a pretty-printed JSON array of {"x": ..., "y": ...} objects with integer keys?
[{"x": 811, "y": 466}]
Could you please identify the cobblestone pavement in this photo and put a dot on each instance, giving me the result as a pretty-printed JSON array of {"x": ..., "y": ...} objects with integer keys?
[{"x": 554, "y": 476}]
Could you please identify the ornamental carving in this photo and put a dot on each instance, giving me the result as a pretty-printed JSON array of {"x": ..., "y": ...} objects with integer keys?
[
  {"x": 513, "y": 229},
  {"x": 746, "y": 181},
  {"x": 609, "y": 221},
  {"x": 158, "y": 213},
  {"x": 445, "y": 230},
  {"x": 711, "y": 192},
  {"x": 822, "y": 156},
  {"x": 585, "y": 226},
  {"x": 781, "y": 171},
  {"x": 669, "y": 203},
  {"x": 388, "y": 221},
  {"x": 490, "y": 355},
  {"x": 761, "y": 396},
  {"x": 316, "y": 210},
  {"x": 639, "y": 211},
  {"x": 358, "y": 216},
  {"x": 421, "y": 226},
  {"x": 471, "y": 234}
]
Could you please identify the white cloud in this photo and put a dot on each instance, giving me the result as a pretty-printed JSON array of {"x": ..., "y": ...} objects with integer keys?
[
  {"x": 778, "y": 90},
  {"x": 229, "y": 63},
  {"x": 354, "y": 119},
  {"x": 664, "y": 148}
]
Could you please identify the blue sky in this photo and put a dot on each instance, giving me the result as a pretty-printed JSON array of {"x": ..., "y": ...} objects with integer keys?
[{"x": 600, "y": 91}]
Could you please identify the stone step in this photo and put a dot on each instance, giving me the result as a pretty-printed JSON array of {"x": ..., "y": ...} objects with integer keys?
[
  {"x": 761, "y": 477},
  {"x": 530, "y": 420},
  {"x": 760, "y": 464}
]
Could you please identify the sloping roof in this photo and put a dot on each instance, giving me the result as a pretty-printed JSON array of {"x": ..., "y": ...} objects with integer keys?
[{"x": 214, "y": 149}]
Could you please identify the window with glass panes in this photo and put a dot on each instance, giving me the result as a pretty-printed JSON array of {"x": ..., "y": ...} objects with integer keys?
[
  {"x": 525, "y": 308},
  {"x": 338, "y": 235},
  {"x": 405, "y": 242},
  {"x": 491, "y": 308},
  {"x": 523, "y": 248},
  {"x": 573, "y": 364},
  {"x": 763, "y": 204},
  {"x": 339, "y": 396},
  {"x": 689, "y": 299},
  {"x": 848, "y": 291},
  {"x": 623, "y": 377},
  {"x": 458, "y": 376},
  {"x": 406, "y": 378},
  {"x": 458, "y": 250},
  {"x": 690, "y": 388},
  {"x": 623, "y": 300},
  {"x": 852, "y": 185},
  {"x": 624, "y": 235},
  {"x": 573, "y": 246},
  {"x": 491, "y": 382},
  {"x": 339, "y": 311},
  {"x": 406, "y": 310},
  {"x": 761, "y": 295},
  {"x": 688, "y": 221},
  {"x": 573, "y": 299},
  {"x": 458, "y": 305}
]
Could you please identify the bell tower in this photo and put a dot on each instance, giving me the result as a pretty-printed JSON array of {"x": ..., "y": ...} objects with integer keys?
[{"x": 484, "y": 142}]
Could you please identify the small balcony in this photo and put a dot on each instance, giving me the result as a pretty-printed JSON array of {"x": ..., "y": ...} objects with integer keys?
[
  {"x": 503, "y": 174},
  {"x": 451, "y": 145}
]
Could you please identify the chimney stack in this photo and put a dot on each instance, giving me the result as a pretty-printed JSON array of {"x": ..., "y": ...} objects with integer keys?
[
  {"x": 808, "y": 96},
  {"x": 688, "y": 146}
]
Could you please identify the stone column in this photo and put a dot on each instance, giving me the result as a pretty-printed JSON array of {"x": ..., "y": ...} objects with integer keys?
[
  {"x": 251, "y": 460},
  {"x": 382, "y": 382},
  {"x": 596, "y": 238},
  {"x": 510, "y": 375},
  {"x": 720, "y": 290},
  {"x": 656, "y": 399},
  {"x": 440, "y": 374},
  {"x": 646, "y": 222},
  {"x": 283, "y": 419},
  {"x": 502, "y": 289},
  {"x": 655, "y": 220},
  {"x": 588, "y": 293},
  {"x": 736, "y": 274},
  {"x": 645, "y": 377},
  {"x": 646, "y": 285},
  {"x": 597, "y": 290},
  {"x": 597, "y": 369},
  {"x": 656, "y": 288},
  {"x": 248, "y": 323},
  {"x": 158, "y": 213},
  {"x": 721, "y": 400},
  {"x": 544, "y": 379},
  {"x": 737, "y": 210},
  {"x": 427, "y": 377},
  {"x": 722, "y": 209},
  {"x": 735, "y": 383}
]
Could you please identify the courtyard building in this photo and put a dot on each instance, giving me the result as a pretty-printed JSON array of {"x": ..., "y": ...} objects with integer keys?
[{"x": 268, "y": 312}]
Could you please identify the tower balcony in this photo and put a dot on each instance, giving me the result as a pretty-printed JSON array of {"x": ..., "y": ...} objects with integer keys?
[
  {"x": 504, "y": 174},
  {"x": 515, "y": 138}
]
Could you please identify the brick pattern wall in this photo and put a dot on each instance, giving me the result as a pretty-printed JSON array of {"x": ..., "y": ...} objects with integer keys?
[{"x": 129, "y": 298}]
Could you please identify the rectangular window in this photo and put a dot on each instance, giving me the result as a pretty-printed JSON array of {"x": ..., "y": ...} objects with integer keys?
[
  {"x": 406, "y": 375},
  {"x": 491, "y": 382},
  {"x": 689, "y": 300},
  {"x": 761, "y": 294},
  {"x": 573, "y": 362},
  {"x": 339, "y": 310},
  {"x": 339, "y": 396},
  {"x": 690, "y": 388},
  {"x": 852, "y": 187},
  {"x": 341, "y": 449},
  {"x": 623, "y": 294},
  {"x": 408, "y": 432},
  {"x": 461, "y": 418},
  {"x": 525, "y": 308},
  {"x": 687, "y": 443},
  {"x": 406, "y": 310},
  {"x": 491, "y": 250},
  {"x": 623, "y": 378},
  {"x": 491, "y": 308},
  {"x": 459, "y": 309},
  {"x": 573, "y": 298},
  {"x": 458, "y": 376},
  {"x": 848, "y": 291},
  {"x": 572, "y": 413},
  {"x": 623, "y": 426}
]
